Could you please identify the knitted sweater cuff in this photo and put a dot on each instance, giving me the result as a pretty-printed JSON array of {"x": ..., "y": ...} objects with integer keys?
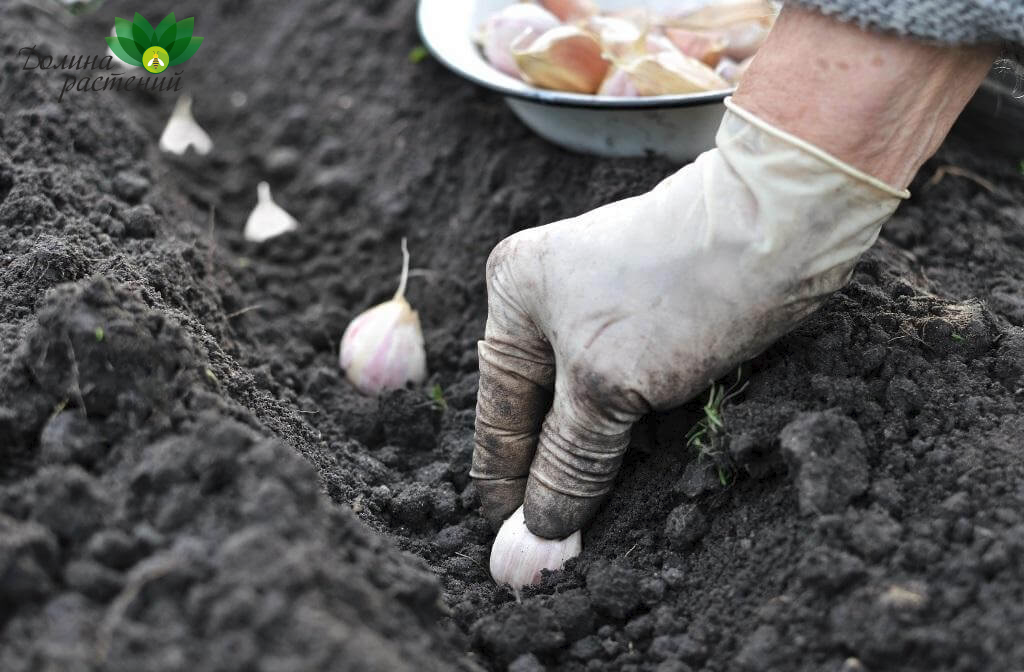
[{"x": 946, "y": 21}]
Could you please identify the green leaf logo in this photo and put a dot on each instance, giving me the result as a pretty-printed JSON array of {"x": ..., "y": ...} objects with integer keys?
[{"x": 156, "y": 49}]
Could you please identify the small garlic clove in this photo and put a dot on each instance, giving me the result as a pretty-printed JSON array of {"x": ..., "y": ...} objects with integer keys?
[
  {"x": 705, "y": 47},
  {"x": 382, "y": 348},
  {"x": 731, "y": 71},
  {"x": 183, "y": 132},
  {"x": 566, "y": 58},
  {"x": 618, "y": 83},
  {"x": 518, "y": 555},
  {"x": 620, "y": 37},
  {"x": 570, "y": 10},
  {"x": 267, "y": 219},
  {"x": 724, "y": 14},
  {"x": 656, "y": 43},
  {"x": 671, "y": 72},
  {"x": 743, "y": 25},
  {"x": 515, "y": 22},
  {"x": 743, "y": 40}
]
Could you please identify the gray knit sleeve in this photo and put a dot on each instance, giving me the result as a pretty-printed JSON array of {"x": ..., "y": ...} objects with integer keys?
[{"x": 948, "y": 21}]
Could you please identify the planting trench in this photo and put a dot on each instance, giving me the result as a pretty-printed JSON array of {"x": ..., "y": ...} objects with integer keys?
[{"x": 188, "y": 482}]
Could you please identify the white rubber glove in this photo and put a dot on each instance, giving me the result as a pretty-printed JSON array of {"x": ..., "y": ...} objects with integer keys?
[{"x": 639, "y": 305}]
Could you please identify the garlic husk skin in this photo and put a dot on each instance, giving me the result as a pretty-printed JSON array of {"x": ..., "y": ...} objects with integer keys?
[
  {"x": 182, "y": 131},
  {"x": 619, "y": 37},
  {"x": 518, "y": 556},
  {"x": 731, "y": 71},
  {"x": 706, "y": 48},
  {"x": 268, "y": 219},
  {"x": 382, "y": 348},
  {"x": 666, "y": 73},
  {"x": 566, "y": 58},
  {"x": 517, "y": 22},
  {"x": 570, "y": 10},
  {"x": 618, "y": 83}
]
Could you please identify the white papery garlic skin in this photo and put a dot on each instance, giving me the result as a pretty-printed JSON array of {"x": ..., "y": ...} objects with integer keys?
[
  {"x": 518, "y": 555},
  {"x": 183, "y": 132},
  {"x": 514, "y": 23},
  {"x": 267, "y": 219},
  {"x": 382, "y": 349}
]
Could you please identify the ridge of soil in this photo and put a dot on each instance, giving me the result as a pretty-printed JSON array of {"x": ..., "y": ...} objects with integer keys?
[{"x": 187, "y": 480}]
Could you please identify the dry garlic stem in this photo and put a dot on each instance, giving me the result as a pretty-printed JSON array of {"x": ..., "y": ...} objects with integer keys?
[
  {"x": 518, "y": 555},
  {"x": 382, "y": 348},
  {"x": 183, "y": 132},
  {"x": 267, "y": 219}
]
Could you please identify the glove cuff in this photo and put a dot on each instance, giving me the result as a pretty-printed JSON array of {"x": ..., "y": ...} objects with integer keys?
[{"x": 820, "y": 154}]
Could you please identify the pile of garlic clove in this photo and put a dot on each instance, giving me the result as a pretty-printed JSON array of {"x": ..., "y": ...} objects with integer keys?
[{"x": 569, "y": 45}]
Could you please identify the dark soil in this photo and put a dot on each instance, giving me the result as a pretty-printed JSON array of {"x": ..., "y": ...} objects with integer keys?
[{"x": 188, "y": 482}]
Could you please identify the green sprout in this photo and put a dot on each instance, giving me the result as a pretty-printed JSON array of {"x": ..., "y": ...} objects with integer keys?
[
  {"x": 99, "y": 334},
  {"x": 706, "y": 435},
  {"x": 1020, "y": 167},
  {"x": 437, "y": 396},
  {"x": 957, "y": 337},
  {"x": 418, "y": 54}
]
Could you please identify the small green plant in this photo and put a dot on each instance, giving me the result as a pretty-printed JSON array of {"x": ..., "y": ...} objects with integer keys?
[
  {"x": 99, "y": 334},
  {"x": 418, "y": 54},
  {"x": 706, "y": 435},
  {"x": 1020, "y": 167},
  {"x": 437, "y": 396},
  {"x": 957, "y": 337}
]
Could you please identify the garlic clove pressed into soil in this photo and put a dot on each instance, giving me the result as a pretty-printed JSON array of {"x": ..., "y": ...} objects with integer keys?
[
  {"x": 518, "y": 556},
  {"x": 382, "y": 348},
  {"x": 183, "y": 132},
  {"x": 267, "y": 219}
]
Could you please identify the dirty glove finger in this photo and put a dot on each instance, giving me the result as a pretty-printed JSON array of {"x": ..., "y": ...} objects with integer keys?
[
  {"x": 516, "y": 377},
  {"x": 579, "y": 453}
]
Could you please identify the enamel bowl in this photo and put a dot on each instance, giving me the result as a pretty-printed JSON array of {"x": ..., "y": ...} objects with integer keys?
[{"x": 678, "y": 127}]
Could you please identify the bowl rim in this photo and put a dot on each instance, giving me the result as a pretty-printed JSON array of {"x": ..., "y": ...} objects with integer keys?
[{"x": 562, "y": 98}]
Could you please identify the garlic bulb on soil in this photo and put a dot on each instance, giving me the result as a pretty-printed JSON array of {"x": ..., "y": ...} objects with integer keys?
[
  {"x": 518, "y": 555},
  {"x": 566, "y": 58},
  {"x": 514, "y": 23},
  {"x": 183, "y": 132},
  {"x": 382, "y": 348},
  {"x": 267, "y": 219}
]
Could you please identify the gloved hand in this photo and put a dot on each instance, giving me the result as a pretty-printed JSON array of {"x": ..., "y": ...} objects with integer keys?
[{"x": 639, "y": 305}]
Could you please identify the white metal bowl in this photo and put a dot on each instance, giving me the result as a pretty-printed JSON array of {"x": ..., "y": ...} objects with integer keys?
[{"x": 678, "y": 127}]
